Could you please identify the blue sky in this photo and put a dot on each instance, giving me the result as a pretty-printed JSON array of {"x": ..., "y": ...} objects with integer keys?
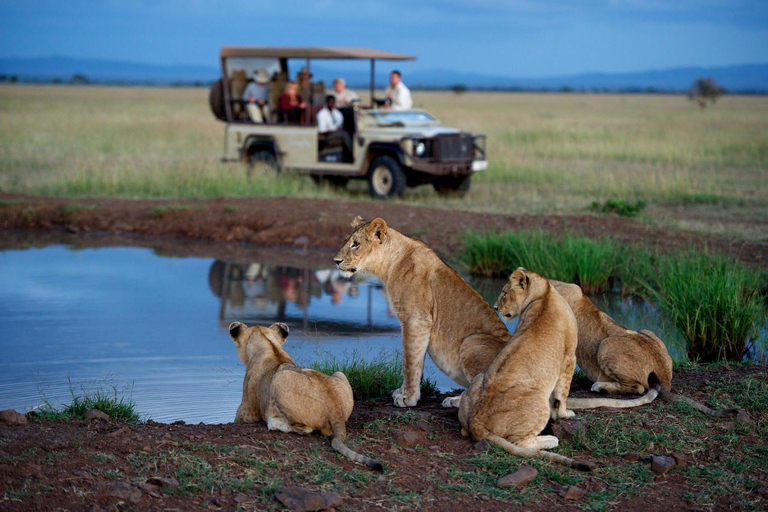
[{"x": 526, "y": 38}]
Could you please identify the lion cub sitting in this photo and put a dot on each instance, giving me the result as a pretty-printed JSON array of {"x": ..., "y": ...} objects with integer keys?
[
  {"x": 439, "y": 312},
  {"x": 619, "y": 360},
  {"x": 290, "y": 398},
  {"x": 528, "y": 382}
]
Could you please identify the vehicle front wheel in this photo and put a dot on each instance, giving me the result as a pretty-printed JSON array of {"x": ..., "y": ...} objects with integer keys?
[
  {"x": 262, "y": 161},
  {"x": 386, "y": 178},
  {"x": 452, "y": 186}
]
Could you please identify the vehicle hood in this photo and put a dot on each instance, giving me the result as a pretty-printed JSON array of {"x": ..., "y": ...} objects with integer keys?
[{"x": 421, "y": 131}]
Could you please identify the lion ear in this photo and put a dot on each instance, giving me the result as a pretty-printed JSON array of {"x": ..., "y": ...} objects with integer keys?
[
  {"x": 520, "y": 278},
  {"x": 377, "y": 229},
  {"x": 281, "y": 329},
  {"x": 357, "y": 222},
  {"x": 235, "y": 328}
]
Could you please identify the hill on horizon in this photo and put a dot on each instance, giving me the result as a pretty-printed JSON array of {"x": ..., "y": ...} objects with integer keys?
[{"x": 736, "y": 78}]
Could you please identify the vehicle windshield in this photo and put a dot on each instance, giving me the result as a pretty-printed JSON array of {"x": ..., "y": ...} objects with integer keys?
[{"x": 400, "y": 118}]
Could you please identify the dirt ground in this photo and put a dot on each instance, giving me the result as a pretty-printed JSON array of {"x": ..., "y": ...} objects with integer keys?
[
  {"x": 103, "y": 465},
  {"x": 300, "y": 224}
]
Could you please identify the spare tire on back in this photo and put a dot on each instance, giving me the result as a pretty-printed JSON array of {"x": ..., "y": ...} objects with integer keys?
[{"x": 216, "y": 100}]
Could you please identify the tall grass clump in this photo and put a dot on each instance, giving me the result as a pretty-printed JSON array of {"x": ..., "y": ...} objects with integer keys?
[
  {"x": 108, "y": 400},
  {"x": 591, "y": 264},
  {"x": 717, "y": 303},
  {"x": 371, "y": 379}
]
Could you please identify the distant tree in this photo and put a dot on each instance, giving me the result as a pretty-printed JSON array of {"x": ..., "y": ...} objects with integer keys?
[
  {"x": 459, "y": 88},
  {"x": 56, "y": 80},
  {"x": 704, "y": 90},
  {"x": 79, "y": 79},
  {"x": 14, "y": 79},
  {"x": 3, "y": 78}
]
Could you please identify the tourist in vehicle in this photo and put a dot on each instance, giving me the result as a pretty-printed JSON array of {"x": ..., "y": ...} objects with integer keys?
[
  {"x": 305, "y": 86},
  {"x": 344, "y": 97},
  {"x": 256, "y": 94},
  {"x": 398, "y": 96},
  {"x": 291, "y": 105},
  {"x": 330, "y": 124}
]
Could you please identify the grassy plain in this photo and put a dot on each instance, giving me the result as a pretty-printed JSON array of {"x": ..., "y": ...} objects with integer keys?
[{"x": 549, "y": 153}]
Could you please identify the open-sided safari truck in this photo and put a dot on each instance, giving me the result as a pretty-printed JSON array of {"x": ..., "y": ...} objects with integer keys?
[{"x": 391, "y": 149}]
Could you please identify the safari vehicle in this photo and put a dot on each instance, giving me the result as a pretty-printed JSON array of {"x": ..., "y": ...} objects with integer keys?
[{"x": 392, "y": 150}]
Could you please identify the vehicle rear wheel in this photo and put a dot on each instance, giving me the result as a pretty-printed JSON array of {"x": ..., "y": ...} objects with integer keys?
[
  {"x": 262, "y": 161},
  {"x": 386, "y": 178},
  {"x": 451, "y": 186}
]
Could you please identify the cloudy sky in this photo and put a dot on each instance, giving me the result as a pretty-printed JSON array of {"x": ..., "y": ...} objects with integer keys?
[{"x": 525, "y": 38}]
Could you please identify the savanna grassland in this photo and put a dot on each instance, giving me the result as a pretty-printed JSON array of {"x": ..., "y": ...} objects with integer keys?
[{"x": 698, "y": 169}]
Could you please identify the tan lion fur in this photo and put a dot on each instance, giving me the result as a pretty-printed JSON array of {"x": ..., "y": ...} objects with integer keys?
[
  {"x": 528, "y": 382},
  {"x": 287, "y": 397},
  {"x": 438, "y": 311},
  {"x": 619, "y": 360}
]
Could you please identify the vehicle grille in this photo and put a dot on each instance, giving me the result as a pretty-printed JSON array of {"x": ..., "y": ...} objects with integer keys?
[{"x": 454, "y": 147}]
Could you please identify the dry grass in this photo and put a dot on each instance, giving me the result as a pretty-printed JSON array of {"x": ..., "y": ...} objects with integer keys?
[{"x": 548, "y": 153}]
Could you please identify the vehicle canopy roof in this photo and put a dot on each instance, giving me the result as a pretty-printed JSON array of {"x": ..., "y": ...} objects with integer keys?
[{"x": 309, "y": 52}]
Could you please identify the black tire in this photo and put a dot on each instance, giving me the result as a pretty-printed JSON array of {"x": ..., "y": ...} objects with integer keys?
[
  {"x": 386, "y": 178},
  {"x": 262, "y": 160},
  {"x": 216, "y": 100},
  {"x": 452, "y": 186}
]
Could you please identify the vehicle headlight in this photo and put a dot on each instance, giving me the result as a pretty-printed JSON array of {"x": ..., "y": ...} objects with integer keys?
[{"x": 420, "y": 149}]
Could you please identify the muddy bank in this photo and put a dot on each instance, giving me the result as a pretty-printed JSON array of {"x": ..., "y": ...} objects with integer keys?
[{"x": 301, "y": 224}]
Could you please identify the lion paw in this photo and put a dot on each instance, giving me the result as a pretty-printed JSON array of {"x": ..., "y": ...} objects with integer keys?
[
  {"x": 402, "y": 400},
  {"x": 452, "y": 401},
  {"x": 568, "y": 414},
  {"x": 546, "y": 442}
]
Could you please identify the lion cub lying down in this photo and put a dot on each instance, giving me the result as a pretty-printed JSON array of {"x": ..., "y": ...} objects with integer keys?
[
  {"x": 528, "y": 382},
  {"x": 290, "y": 398},
  {"x": 619, "y": 360}
]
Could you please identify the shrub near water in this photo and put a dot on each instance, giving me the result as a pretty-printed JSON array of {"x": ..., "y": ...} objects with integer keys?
[
  {"x": 575, "y": 259},
  {"x": 714, "y": 301},
  {"x": 119, "y": 408},
  {"x": 371, "y": 379}
]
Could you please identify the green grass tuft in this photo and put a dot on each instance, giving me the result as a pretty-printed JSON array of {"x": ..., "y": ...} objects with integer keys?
[
  {"x": 371, "y": 379},
  {"x": 716, "y": 302},
  {"x": 619, "y": 206},
  {"x": 105, "y": 399}
]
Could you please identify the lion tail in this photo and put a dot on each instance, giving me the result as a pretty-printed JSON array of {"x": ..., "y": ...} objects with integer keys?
[
  {"x": 343, "y": 449},
  {"x": 529, "y": 452},
  {"x": 674, "y": 397},
  {"x": 594, "y": 403},
  {"x": 617, "y": 403}
]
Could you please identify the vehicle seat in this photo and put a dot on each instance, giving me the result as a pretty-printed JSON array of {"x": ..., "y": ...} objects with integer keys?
[
  {"x": 276, "y": 87},
  {"x": 236, "y": 87}
]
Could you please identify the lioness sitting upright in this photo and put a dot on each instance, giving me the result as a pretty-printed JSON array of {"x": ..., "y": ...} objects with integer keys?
[
  {"x": 528, "y": 382},
  {"x": 290, "y": 398},
  {"x": 619, "y": 360},
  {"x": 438, "y": 311}
]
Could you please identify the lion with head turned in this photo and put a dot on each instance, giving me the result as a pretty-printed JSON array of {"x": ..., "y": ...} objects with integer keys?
[
  {"x": 527, "y": 384},
  {"x": 439, "y": 312}
]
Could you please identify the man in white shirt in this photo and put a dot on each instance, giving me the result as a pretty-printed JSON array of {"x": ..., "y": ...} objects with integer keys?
[
  {"x": 256, "y": 94},
  {"x": 398, "y": 96},
  {"x": 330, "y": 124},
  {"x": 344, "y": 97}
]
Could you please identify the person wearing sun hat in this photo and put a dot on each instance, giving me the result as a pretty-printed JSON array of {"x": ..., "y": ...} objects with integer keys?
[{"x": 256, "y": 94}]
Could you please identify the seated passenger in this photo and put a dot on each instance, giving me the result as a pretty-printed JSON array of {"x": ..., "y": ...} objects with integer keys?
[
  {"x": 329, "y": 125},
  {"x": 291, "y": 104},
  {"x": 344, "y": 96},
  {"x": 256, "y": 94}
]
